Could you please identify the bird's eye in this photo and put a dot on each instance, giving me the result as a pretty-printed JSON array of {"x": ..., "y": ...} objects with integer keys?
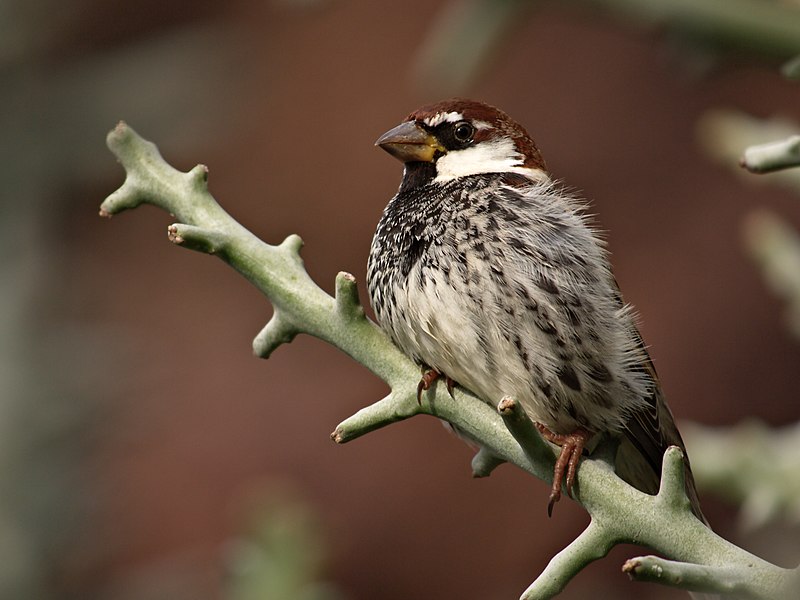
[{"x": 463, "y": 131}]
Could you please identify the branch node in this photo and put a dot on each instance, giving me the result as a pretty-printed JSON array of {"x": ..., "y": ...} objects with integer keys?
[
  {"x": 524, "y": 431},
  {"x": 276, "y": 332},
  {"x": 672, "y": 490},
  {"x": 118, "y": 137},
  {"x": 727, "y": 580},
  {"x": 198, "y": 238},
  {"x": 293, "y": 243},
  {"x": 592, "y": 544},
  {"x": 484, "y": 462},
  {"x": 773, "y": 156},
  {"x": 347, "y": 303},
  {"x": 198, "y": 177},
  {"x": 128, "y": 196},
  {"x": 389, "y": 410},
  {"x": 130, "y": 148},
  {"x": 173, "y": 235}
]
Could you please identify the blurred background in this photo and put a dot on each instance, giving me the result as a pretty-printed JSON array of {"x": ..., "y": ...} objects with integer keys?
[{"x": 145, "y": 454}]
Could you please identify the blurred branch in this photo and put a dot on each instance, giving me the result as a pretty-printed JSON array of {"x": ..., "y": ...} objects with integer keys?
[
  {"x": 461, "y": 40},
  {"x": 752, "y": 465},
  {"x": 775, "y": 245},
  {"x": 464, "y": 34},
  {"x": 724, "y": 133},
  {"x": 280, "y": 556},
  {"x": 756, "y": 26},
  {"x": 791, "y": 68},
  {"x": 772, "y": 156},
  {"x": 619, "y": 512}
]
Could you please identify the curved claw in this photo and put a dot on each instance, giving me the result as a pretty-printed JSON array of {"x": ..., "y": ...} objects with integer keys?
[
  {"x": 429, "y": 376},
  {"x": 571, "y": 450}
]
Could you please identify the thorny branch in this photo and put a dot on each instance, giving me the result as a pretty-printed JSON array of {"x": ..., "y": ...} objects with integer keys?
[{"x": 619, "y": 513}]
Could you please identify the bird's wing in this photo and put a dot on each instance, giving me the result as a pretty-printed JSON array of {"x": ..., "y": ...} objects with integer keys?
[{"x": 649, "y": 431}]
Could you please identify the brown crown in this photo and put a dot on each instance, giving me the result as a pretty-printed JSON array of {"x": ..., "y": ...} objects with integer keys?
[{"x": 504, "y": 126}]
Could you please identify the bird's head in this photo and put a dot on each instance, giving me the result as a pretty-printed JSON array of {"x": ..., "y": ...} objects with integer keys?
[{"x": 457, "y": 138}]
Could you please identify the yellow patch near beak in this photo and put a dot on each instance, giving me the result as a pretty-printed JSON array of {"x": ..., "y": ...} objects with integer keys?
[{"x": 409, "y": 142}]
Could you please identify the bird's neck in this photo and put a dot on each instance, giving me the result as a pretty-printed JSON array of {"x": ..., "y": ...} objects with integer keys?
[
  {"x": 416, "y": 175},
  {"x": 419, "y": 174}
]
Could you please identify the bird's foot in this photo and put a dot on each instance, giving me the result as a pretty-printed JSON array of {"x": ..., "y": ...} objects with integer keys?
[
  {"x": 572, "y": 445},
  {"x": 429, "y": 376}
]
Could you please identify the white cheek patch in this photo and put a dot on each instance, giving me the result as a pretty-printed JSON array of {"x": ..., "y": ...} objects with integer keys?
[
  {"x": 489, "y": 156},
  {"x": 439, "y": 118}
]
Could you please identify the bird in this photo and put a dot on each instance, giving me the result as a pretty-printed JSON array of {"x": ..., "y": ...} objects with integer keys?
[{"x": 490, "y": 274}]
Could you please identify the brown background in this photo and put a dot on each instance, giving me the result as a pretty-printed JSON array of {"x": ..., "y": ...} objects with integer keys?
[{"x": 187, "y": 430}]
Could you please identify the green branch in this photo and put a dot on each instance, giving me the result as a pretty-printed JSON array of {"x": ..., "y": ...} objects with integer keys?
[
  {"x": 730, "y": 581},
  {"x": 592, "y": 544},
  {"x": 619, "y": 512},
  {"x": 723, "y": 134},
  {"x": 730, "y": 462},
  {"x": 756, "y": 26},
  {"x": 772, "y": 156},
  {"x": 465, "y": 33}
]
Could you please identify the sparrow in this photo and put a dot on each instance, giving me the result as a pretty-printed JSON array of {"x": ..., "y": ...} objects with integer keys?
[{"x": 488, "y": 273}]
